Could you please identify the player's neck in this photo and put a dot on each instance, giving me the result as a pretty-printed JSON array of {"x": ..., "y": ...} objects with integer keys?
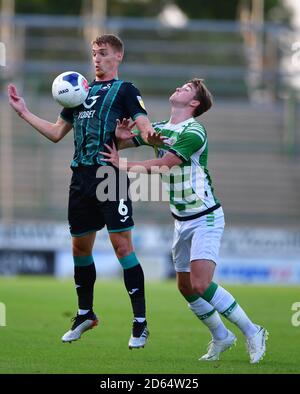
[{"x": 179, "y": 115}]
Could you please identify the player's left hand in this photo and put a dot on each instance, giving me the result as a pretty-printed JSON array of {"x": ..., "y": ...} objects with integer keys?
[
  {"x": 124, "y": 130},
  {"x": 112, "y": 155}
]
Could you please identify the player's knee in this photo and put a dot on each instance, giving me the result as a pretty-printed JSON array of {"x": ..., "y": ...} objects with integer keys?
[
  {"x": 200, "y": 287},
  {"x": 122, "y": 249},
  {"x": 80, "y": 250}
]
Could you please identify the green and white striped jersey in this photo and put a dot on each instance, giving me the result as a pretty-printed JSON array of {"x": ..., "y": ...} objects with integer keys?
[{"x": 189, "y": 185}]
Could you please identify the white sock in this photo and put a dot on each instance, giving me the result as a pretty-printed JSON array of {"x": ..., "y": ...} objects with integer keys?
[
  {"x": 83, "y": 311},
  {"x": 224, "y": 303},
  {"x": 210, "y": 317},
  {"x": 239, "y": 317},
  {"x": 222, "y": 300}
]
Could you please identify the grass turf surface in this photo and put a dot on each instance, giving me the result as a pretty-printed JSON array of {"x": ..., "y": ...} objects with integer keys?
[{"x": 38, "y": 312}]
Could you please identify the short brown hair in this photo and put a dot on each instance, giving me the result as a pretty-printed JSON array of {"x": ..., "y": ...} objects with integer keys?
[
  {"x": 110, "y": 39},
  {"x": 203, "y": 95}
]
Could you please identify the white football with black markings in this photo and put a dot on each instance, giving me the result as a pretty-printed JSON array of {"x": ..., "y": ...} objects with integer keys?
[{"x": 70, "y": 89}]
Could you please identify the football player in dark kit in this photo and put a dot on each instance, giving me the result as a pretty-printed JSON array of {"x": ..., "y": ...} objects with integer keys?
[{"x": 94, "y": 124}]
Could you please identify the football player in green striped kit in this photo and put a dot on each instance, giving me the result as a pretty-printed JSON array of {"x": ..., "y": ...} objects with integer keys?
[
  {"x": 94, "y": 124},
  {"x": 182, "y": 150}
]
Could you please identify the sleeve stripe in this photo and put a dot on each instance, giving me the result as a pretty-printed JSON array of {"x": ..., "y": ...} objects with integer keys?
[
  {"x": 136, "y": 141},
  {"x": 197, "y": 130},
  {"x": 198, "y": 126},
  {"x": 198, "y": 134}
]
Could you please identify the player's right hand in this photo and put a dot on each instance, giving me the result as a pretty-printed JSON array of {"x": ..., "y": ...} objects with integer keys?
[
  {"x": 156, "y": 139},
  {"x": 16, "y": 101}
]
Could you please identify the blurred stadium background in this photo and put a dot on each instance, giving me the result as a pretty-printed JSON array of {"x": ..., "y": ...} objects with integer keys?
[{"x": 249, "y": 54}]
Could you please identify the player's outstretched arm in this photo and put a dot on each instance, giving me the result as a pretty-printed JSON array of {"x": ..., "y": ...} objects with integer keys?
[
  {"x": 145, "y": 127},
  {"x": 125, "y": 135},
  {"x": 53, "y": 131},
  {"x": 154, "y": 166}
]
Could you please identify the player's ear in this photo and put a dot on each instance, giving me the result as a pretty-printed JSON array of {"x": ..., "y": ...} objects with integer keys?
[
  {"x": 194, "y": 103},
  {"x": 120, "y": 56}
]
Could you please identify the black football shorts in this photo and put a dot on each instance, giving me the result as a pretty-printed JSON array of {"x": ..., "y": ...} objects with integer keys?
[{"x": 89, "y": 211}]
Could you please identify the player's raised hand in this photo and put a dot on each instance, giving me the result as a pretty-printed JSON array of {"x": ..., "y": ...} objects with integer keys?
[
  {"x": 156, "y": 139},
  {"x": 124, "y": 130},
  {"x": 16, "y": 101}
]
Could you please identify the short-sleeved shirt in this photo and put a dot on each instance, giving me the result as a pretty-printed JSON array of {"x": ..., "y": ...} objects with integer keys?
[
  {"x": 189, "y": 185},
  {"x": 94, "y": 121}
]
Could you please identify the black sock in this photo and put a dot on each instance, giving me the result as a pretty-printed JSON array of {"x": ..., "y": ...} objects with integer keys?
[
  {"x": 85, "y": 277},
  {"x": 134, "y": 282}
]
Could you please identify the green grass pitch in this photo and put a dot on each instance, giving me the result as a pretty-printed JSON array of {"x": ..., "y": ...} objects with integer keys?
[{"x": 38, "y": 312}]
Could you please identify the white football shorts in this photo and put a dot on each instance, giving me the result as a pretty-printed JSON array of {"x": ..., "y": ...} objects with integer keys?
[{"x": 197, "y": 239}]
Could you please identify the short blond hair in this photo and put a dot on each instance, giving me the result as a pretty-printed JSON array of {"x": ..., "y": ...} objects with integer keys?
[{"x": 110, "y": 39}]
